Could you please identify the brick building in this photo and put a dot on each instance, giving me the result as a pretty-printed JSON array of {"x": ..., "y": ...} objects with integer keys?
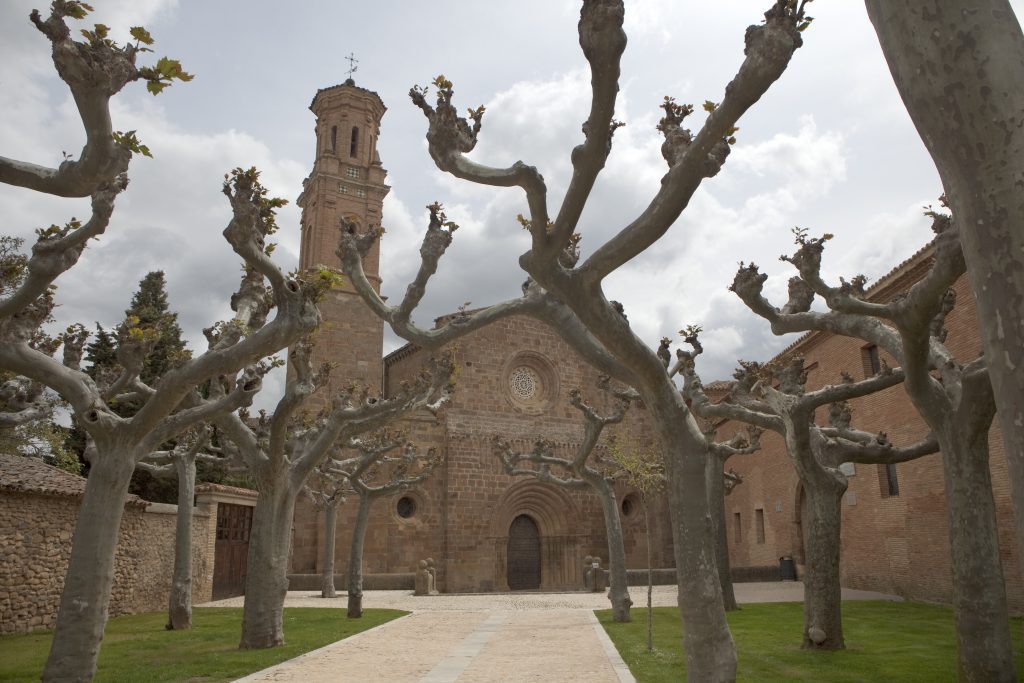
[
  {"x": 894, "y": 518},
  {"x": 514, "y": 377}
]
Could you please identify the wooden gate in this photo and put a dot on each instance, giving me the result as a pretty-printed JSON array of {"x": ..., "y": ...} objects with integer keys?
[
  {"x": 231, "y": 550},
  {"x": 523, "y": 554}
]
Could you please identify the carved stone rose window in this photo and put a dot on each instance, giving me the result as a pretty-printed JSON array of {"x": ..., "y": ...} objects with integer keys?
[{"x": 531, "y": 383}]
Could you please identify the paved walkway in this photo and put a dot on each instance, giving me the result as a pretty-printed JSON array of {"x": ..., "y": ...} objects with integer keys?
[{"x": 492, "y": 637}]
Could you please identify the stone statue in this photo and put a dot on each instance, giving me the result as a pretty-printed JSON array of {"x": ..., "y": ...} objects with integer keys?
[
  {"x": 433, "y": 577},
  {"x": 424, "y": 579}
]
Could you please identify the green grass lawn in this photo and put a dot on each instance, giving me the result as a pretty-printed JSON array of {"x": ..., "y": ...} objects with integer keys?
[
  {"x": 137, "y": 648},
  {"x": 885, "y": 641}
]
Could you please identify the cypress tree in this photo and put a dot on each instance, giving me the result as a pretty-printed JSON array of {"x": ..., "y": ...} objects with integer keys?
[{"x": 149, "y": 304}]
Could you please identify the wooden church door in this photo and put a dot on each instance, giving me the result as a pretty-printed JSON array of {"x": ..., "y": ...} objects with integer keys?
[{"x": 523, "y": 554}]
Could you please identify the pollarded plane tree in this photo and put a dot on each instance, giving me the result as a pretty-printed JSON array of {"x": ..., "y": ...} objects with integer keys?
[
  {"x": 717, "y": 455},
  {"x": 959, "y": 70},
  {"x": 283, "y": 449},
  {"x": 95, "y": 70},
  {"x": 26, "y": 407},
  {"x": 373, "y": 474},
  {"x": 22, "y": 401},
  {"x": 774, "y": 397},
  {"x": 327, "y": 492},
  {"x": 590, "y": 467},
  {"x": 179, "y": 462},
  {"x": 568, "y": 294},
  {"x": 953, "y": 397},
  {"x": 718, "y": 485}
]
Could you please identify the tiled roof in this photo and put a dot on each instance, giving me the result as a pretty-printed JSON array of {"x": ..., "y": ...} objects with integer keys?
[
  {"x": 349, "y": 83},
  {"x": 31, "y": 475},
  {"x": 209, "y": 487}
]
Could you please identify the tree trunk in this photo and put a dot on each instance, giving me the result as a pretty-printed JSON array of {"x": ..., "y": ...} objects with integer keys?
[
  {"x": 707, "y": 642},
  {"x": 716, "y": 506},
  {"x": 650, "y": 578},
  {"x": 90, "y": 576},
  {"x": 355, "y": 559},
  {"x": 959, "y": 71},
  {"x": 618, "y": 581},
  {"x": 330, "y": 533},
  {"x": 179, "y": 612},
  {"x": 979, "y": 595},
  {"x": 823, "y": 620},
  {"x": 266, "y": 580}
]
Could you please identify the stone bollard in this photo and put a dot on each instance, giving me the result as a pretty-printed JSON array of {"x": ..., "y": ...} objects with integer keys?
[
  {"x": 593, "y": 575},
  {"x": 599, "y": 582}
]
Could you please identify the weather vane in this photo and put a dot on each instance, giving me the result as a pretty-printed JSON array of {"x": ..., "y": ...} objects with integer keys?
[{"x": 352, "y": 61}]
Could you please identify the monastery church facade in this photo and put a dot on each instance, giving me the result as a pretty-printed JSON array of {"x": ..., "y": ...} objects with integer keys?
[
  {"x": 488, "y": 531},
  {"x": 485, "y": 530}
]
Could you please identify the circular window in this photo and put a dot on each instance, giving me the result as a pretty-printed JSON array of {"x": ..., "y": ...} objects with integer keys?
[
  {"x": 531, "y": 383},
  {"x": 406, "y": 507},
  {"x": 524, "y": 383},
  {"x": 630, "y": 505}
]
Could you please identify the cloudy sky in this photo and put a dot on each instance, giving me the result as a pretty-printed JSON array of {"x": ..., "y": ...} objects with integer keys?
[{"x": 829, "y": 148}]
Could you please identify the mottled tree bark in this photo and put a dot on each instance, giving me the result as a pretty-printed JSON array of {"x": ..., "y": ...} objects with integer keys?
[
  {"x": 327, "y": 589},
  {"x": 86, "y": 596},
  {"x": 355, "y": 560},
  {"x": 716, "y": 506},
  {"x": 707, "y": 641},
  {"x": 266, "y": 580},
  {"x": 979, "y": 595},
  {"x": 959, "y": 69},
  {"x": 823, "y": 620},
  {"x": 650, "y": 579},
  {"x": 618, "y": 581},
  {"x": 179, "y": 611}
]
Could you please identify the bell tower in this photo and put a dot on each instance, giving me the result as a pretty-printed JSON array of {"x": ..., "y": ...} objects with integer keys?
[{"x": 347, "y": 181}]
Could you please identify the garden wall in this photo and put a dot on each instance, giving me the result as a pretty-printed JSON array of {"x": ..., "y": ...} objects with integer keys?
[{"x": 38, "y": 509}]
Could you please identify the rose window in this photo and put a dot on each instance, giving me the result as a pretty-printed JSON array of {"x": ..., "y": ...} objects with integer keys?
[{"x": 524, "y": 383}]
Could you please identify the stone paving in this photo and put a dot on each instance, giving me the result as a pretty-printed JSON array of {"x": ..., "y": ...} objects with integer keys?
[{"x": 508, "y": 637}]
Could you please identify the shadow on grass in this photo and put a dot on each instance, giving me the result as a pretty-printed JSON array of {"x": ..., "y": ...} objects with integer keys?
[
  {"x": 886, "y": 641},
  {"x": 136, "y": 647}
]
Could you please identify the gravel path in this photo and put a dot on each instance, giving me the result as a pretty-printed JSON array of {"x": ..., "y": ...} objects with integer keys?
[{"x": 509, "y": 637}]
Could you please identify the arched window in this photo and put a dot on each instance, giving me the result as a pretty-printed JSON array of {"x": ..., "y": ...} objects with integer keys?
[
  {"x": 334, "y": 138},
  {"x": 353, "y": 149}
]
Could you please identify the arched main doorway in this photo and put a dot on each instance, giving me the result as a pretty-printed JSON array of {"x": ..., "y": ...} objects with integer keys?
[{"x": 523, "y": 554}]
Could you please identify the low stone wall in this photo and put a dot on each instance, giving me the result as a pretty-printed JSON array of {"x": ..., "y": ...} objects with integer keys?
[
  {"x": 754, "y": 574},
  {"x": 371, "y": 582},
  {"x": 35, "y": 546},
  {"x": 638, "y": 577}
]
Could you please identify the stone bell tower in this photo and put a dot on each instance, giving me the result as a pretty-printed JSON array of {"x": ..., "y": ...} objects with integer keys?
[{"x": 347, "y": 180}]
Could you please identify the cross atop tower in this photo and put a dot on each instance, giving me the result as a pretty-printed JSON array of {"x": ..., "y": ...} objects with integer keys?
[{"x": 352, "y": 61}]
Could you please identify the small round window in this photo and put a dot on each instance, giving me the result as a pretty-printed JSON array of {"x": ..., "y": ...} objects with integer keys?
[
  {"x": 406, "y": 507},
  {"x": 630, "y": 505}
]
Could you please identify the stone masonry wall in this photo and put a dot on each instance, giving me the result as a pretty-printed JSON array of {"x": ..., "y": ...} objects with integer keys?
[{"x": 35, "y": 545}]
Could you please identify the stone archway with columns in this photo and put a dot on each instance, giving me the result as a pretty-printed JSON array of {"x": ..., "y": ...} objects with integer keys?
[{"x": 556, "y": 515}]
